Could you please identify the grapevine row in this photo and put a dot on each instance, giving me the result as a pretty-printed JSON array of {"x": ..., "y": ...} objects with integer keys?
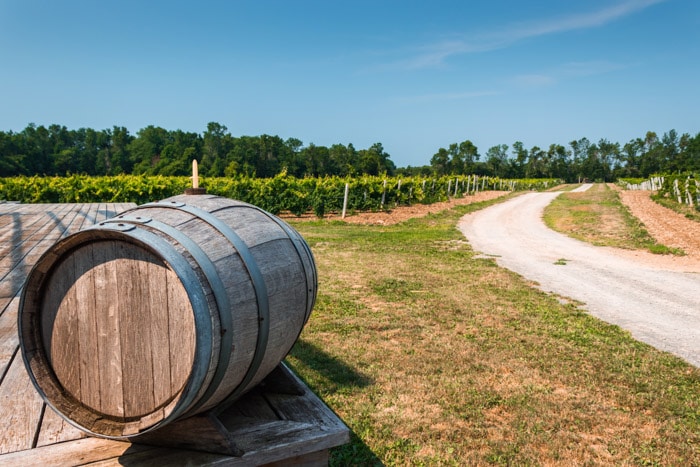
[
  {"x": 278, "y": 194},
  {"x": 684, "y": 189}
]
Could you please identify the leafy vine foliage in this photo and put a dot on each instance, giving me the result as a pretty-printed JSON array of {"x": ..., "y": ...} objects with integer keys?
[{"x": 282, "y": 193}]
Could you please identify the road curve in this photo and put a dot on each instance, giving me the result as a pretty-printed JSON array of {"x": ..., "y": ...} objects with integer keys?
[{"x": 659, "y": 307}]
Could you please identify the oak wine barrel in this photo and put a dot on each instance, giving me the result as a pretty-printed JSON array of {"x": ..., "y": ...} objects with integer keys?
[{"x": 165, "y": 311}]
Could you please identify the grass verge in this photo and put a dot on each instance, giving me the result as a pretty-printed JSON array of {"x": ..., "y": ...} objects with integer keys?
[
  {"x": 435, "y": 357},
  {"x": 597, "y": 216}
]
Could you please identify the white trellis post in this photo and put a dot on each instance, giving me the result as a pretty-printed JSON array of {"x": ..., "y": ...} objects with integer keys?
[
  {"x": 383, "y": 195},
  {"x": 345, "y": 199},
  {"x": 398, "y": 193}
]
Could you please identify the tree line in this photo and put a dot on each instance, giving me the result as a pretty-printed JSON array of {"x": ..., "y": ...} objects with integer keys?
[
  {"x": 581, "y": 159},
  {"x": 56, "y": 150}
]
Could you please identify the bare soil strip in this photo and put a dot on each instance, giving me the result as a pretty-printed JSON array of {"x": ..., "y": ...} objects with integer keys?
[{"x": 667, "y": 227}]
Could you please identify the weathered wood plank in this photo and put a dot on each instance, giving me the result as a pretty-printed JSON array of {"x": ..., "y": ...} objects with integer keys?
[
  {"x": 60, "y": 327},
  {"x": 72, "y": 222},
  {"x": 139, "y": 455},
  {"x": 9, "y": 340},
  {"x": 200, "y": 433},
  {"x": 88, "y": 332},
  {"x": 78, "y": 452},
  {"x": 252, "y": 405},
  {"x": 21, "y": 409},
  {"x": 109, "y": 351},
  {"x": 134, "y": 327},
  {"x": 27, "y": 251},
  {"x": 181, "y": 332},
  {"x": 54, "y": 429},
  {"x": 16, "y": 226},
  {"x": 91, "y": 213},
  {"x": 307, "y": 425},
  {"x": 164, "y": 385},
  {"x": 313, "y": 459}
]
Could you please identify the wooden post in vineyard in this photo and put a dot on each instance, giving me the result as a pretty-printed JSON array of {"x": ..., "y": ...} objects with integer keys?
[
  {"x": 383, "y": 195},
  {"x": 677, "y": 191},
  {"x": 398, "y": 193},
  {"x": 345, "y": 199}
]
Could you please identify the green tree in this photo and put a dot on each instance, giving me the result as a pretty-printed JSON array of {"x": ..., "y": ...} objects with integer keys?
[
  {"x": 214, "y": 150},
  {"x": 497, "y": 160},
  {"x": 579, "y": 154},
  {"x": 292, "y": 159},
  {"x": 146, "y": 150},
  {"x": 464, "y": 157},
  {"x": 520, "y": 156},
  {"x": 535, "y": 163},
  {"x": 558, "y": 162},
  {"x": 650, "y": 159},
  {"x": 440, "y": 162},
  {"x": 343, "y": 160},
  {"x": 11, "y": 160},
  {"x": 629, "y": 159}
]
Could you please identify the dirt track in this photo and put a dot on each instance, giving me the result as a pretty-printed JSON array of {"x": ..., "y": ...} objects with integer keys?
[{"x": 656, "y": 298}]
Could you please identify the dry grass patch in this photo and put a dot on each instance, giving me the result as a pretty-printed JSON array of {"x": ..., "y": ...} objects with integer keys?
[
  {"x": 597, "y": 216},
  {"x": 433, "y": 356}
]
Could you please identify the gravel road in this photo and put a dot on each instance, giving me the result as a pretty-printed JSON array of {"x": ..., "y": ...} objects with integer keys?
[{"x": 658, "y": 306}]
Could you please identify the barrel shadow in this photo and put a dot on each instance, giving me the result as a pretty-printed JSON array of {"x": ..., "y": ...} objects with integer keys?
[{"x": 337, "y": 376}]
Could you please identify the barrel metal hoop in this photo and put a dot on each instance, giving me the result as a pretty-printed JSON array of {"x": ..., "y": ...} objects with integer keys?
[
  {"x": 217, "y": 287},
  {"x": 258, "y": 285}
]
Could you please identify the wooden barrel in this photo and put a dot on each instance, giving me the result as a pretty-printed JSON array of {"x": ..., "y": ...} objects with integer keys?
[{"x": 165, "y": 311}]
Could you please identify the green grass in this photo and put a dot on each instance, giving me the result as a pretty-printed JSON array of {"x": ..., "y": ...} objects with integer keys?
[
  {"x": 432, "y": 356},
  {"x": 597, "y": 216}
]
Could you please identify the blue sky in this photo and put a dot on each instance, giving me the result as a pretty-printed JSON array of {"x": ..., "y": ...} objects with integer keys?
[{"x": 415, "y": 76}]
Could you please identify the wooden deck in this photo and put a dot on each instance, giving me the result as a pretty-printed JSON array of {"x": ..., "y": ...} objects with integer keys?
[{"x": 269, "y": 425}]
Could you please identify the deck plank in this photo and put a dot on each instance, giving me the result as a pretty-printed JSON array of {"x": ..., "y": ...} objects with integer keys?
[
  {"x": 21, "y": 409},
  {"x": 79, "y": 452},
  {"x": 28, "y": 250},
  {"x": 9, "y": 340},
  {"x": 54, "y": 429}
]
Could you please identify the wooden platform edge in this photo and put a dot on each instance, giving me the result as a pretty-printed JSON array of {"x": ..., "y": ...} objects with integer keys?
[{"x": 306, "y": 432}]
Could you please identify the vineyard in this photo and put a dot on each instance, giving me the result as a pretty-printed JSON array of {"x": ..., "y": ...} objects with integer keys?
[
  {"x": 683, "y": 189},
  {"x": 282, "y": 193}
]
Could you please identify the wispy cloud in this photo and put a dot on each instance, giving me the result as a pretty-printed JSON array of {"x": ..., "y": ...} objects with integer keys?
[
  {"x": 435, "y": 55},
  {"x": 566, "y": 71}
]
